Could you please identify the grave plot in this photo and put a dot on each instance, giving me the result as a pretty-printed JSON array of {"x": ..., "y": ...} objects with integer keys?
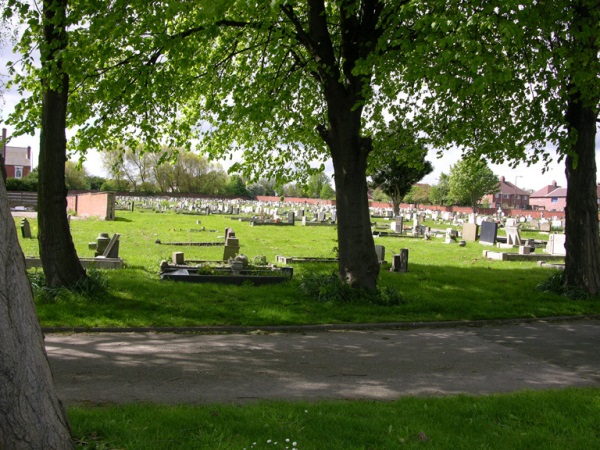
[
  {"x": 235, "y": 271},
  {"x": 106, "y": 254}
]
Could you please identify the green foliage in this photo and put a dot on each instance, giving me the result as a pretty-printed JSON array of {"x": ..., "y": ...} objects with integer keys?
[
  {"x": 329, "y": 288},
  {"x": 315, "y": 185},
  {"x": 555, "y": 284},
  {"x": 470, "y": 179},
  {"x": 21, "y": 184},
  {"x": 76, "y": 177},
  {"x": 94, "y": 182},
  {"x": 94, "y": 286},
  {"x": 438, "y": 195},
  {"x": 236, "y": 187}
]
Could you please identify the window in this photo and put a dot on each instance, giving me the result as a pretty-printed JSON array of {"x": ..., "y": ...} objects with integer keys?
[
  {"x": 518, "y": 197},
  {"x": 554, "y": 199},
  {"x": 506, "y": 195},
  {"x": 524, "y": 197},
  {"x": 18, "y": 171}
]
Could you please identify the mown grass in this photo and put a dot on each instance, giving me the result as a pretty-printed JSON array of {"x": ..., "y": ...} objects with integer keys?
[
  {"x": 565, "y": 419},
  {"x": 444, "y": 282}
]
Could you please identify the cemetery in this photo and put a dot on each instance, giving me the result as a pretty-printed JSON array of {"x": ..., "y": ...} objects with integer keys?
[{"x": 453, "y": 259}]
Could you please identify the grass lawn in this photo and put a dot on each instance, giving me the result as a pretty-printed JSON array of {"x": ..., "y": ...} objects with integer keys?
[
  {"x": 561, "y": 420},
  {"x": 444, "y": 282}
]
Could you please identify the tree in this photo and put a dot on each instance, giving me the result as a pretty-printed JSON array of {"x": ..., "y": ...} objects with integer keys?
[
  {"x": 438, "y": 194},
  {"x": 470, "y": 179},
  {"x": 418, "y": 195},
  {"x": 31, "y": 415},
  {"x": 396, "y": 178},
  {"x": 511, "y": 79},
  {"x": 75, "y": 177},
  {"x": 236, "y": 186},
  {"x": 315, "y": 184},
  {"x": 327, "y": 192},
  {"x": 59, "y": 259},
  {"x": 284, "y": 83}
]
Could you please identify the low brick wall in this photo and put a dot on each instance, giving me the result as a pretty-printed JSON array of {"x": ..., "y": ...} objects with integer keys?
[{"x": 97, "y": 204}]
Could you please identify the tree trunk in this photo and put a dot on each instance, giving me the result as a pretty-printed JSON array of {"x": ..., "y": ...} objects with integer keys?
[
  {"x": 57, "y": 251},
  {"x": 31, "y": 416},
  {"x": 358, "y": 264},
  {"x": 582, "y": 262}
]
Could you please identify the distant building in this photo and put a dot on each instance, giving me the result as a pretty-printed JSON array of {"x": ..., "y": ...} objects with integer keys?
[
  {"x": 508, "y": 196},
  {"x": 17, "y": 160},
  {"x": 550, "y": 198},
  {"x": 553, "y": 198}
]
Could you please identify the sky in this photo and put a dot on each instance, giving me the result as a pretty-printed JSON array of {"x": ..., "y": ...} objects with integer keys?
[{"x": 528, "y": 178}]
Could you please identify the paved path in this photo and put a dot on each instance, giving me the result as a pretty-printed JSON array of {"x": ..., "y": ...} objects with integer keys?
[{"x": 381, "y": 364}]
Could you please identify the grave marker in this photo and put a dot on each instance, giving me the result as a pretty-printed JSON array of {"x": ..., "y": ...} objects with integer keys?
[{"x": 488, "y": 233}]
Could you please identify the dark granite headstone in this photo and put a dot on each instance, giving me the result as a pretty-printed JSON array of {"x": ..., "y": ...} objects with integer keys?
[
  {"x": 25, "y": 229},
  {"x": 488, "y": 233}
]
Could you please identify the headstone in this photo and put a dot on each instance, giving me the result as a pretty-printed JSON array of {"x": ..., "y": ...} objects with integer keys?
[
  {"x": 545, "y": 226},
  {"x": 512, "y": 236},
  {"x": 488, "y": 233},
  {"x": 112, "y": 248},
  {"x": 510, "y": 222},
  {"x": 380, "y": 251},
  {"x": 101, "y": 243},
  {"x": 321, "y": 216},
  {"x": 178, "y": 258},
  {"x": 291, "y": 217},
  {"x": 25, "y": 229},
  {"x": 232, "y": 248},
  {"x": 400, "y": 261},
  {"x": 469, "y": 232},
  {"x": 449, "y": 236},
  {"x": 556, "y": 245},
  {"x": 524, "y": 250}
]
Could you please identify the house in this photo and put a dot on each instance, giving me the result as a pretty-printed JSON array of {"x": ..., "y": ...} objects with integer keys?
[
  {"x": 17, "y": 160},
  {"x": 508, "y": 196},
  {"x": 553, "y": 198},
  {"x": 550, "y": 198}
]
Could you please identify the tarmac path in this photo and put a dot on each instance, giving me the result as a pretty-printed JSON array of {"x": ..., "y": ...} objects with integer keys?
[{"x": 170, "y": 368}]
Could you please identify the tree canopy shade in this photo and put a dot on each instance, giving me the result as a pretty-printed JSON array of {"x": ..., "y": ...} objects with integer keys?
[
  {"x": 287, "y": 83},
  {"x": 470, "y": 179},
  {"x": 516, "y": 76}
]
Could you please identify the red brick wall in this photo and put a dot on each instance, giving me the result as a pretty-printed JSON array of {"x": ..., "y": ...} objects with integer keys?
[{"x": 99, "y": 204}]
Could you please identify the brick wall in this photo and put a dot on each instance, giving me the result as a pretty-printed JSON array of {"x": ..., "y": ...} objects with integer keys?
[{"x": 98, "y": 204}]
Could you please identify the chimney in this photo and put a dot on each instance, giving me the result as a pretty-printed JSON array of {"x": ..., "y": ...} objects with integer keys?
[
  {"x": 554, "y": 184},
  {"x": 29, "y": 153},
  {"x": 502, "y": 179}
]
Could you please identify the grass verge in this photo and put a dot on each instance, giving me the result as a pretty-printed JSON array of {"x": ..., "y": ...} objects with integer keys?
[{"x": 563, "y": 419}]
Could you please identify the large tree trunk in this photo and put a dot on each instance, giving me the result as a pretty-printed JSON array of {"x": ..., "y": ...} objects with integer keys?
[
  {"x": 358, "y": 264},
  {"x": 31, "y": 416},
  {"x": 57, "y": 251},
  {"x": 582, "y": 263}
]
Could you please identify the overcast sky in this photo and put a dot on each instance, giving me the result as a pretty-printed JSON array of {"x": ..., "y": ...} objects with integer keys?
[{"x": 524, "y": 177}]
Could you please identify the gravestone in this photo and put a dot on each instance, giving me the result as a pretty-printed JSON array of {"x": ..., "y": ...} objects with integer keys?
[
  {"x": 321, "y": 216},
  {"x": 556, "y": 245},
  {"x": 488, "y": 233},
  {"x": 25, "y": 229},
  {"x": 400, "y": 261},
  {"x": 291, "y": 217},
  {"x": 380, "y": 251},
  {"x": 232, "y": 248},
  {"x": 178, "y": 258},
  {"x": 450, "y": 235},
  {"x": 545, "y": 226},
  {"x": 469, "y": 232},
  {"x": 397, "y": 225},
  {"x": 512, "y": 236}
]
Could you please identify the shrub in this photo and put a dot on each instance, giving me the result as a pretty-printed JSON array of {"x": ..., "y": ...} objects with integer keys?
[
  {"x": 555, "y": 284},
  {"x": 329, "y": 288}
]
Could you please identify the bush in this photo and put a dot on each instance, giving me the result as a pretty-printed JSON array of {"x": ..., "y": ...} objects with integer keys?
[
  {"x": 94, "y": 285},
  {"x": 555, "y": 284},
  {"x": 329, "y": 288}
]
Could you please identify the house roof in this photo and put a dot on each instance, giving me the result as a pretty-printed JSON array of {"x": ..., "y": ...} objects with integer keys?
[
  {"x": 559, "y": 192},
  {"x": 16, "y": 156},
  {"x": 545, "y": 190},
  {"x": 506, "y": 187}
]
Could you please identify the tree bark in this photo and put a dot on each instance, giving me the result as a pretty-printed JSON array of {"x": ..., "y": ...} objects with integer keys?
[
  {"x": 57, "y": 251},
  {"x": 31, "y": 416},
  {"x": 582, "y": 261}
]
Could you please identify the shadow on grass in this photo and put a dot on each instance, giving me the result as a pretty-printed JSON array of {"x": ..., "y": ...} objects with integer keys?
[{"x": 121, "y": 219}]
